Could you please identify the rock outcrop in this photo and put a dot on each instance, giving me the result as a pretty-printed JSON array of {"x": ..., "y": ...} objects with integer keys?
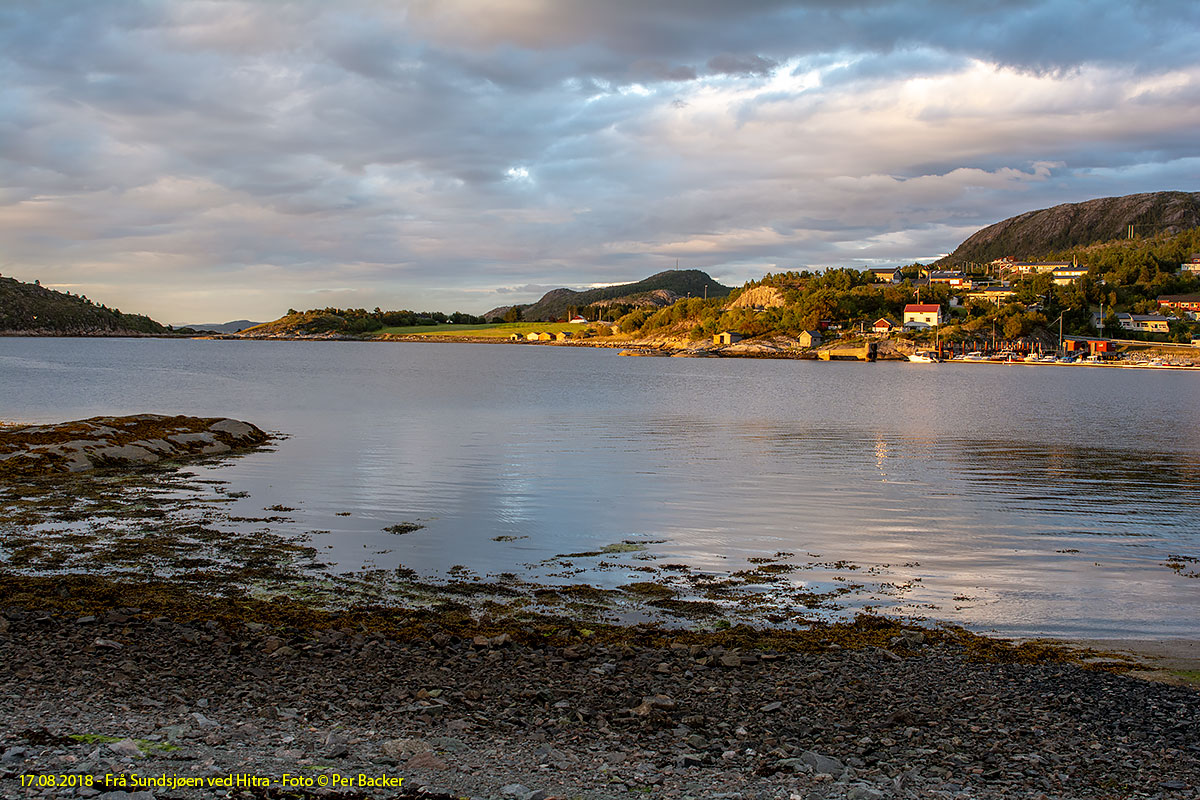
[
  {"x": 759, "y": 296},
  {"x": 31, "y": 450}
]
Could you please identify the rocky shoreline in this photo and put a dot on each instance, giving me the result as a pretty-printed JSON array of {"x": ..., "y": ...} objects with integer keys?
[
  {"x": 151, "y": 650},
  {"x": 892, "y": 713}
]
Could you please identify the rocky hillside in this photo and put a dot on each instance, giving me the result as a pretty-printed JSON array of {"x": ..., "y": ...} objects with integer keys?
[
  {"x": 28, "y": 308},
  {"x": 759, "y": 296},
  {"x": 656, "y": 291},
  {"x": 1035, "y": 233}
]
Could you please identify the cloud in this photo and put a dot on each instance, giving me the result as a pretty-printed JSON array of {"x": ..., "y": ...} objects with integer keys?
[{"x": 186, "y": 158}]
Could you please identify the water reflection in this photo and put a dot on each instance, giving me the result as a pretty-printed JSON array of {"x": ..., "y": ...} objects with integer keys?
[{"x": 1022, "y": 491}]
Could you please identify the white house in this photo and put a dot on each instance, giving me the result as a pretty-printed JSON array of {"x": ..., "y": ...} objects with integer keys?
[
  {"x": 1144, "y": 322},
  {"x": 922, "y": 315}
]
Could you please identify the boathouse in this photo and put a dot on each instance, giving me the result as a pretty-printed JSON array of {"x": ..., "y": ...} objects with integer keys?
[
  {"x": 809, "y": 339},
  {"x": 727, "y": 337}
]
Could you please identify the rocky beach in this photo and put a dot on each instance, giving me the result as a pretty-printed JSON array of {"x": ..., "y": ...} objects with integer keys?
[
  {"x": 156, "y": 652},
  {"x": 892, "y": 713}
]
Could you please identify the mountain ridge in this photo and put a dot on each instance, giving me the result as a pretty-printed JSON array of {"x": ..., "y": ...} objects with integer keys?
[
  {"x": 658, "y": 290},
  {"x": 1034, "y": 234}
]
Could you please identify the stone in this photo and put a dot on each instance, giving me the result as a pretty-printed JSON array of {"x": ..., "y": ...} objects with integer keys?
[
  {"x": 772, "y": 706},
  {"x": 515, "y": 790},
  {"x": 425, "y": 760},
  {"x": 108, "y": 644},
  {"x": 126, "y": 747},
  {"x": 660, "y": 701},
  {"x": 203, "y": 721},
  {"x": 402, "y": 748},
  {"x": 822, "y": 764},
  {"x": 14, "y": 755}
]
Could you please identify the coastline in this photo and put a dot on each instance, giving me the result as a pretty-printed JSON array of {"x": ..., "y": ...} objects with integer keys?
[
  {"x": 241, "y": 658},
  {"x": 196, "y": 688}
]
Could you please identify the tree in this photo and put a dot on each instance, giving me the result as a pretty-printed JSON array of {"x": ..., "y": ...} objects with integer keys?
[{"x": 513, "y": 314}]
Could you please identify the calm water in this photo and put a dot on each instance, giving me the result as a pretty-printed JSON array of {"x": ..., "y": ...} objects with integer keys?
[{"x": 1045, "y": 499}]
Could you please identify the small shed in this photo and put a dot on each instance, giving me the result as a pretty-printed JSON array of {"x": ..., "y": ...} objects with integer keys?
[
  {"x": 809, "y": 338},
  {"x": 562, "y": 336},
  {"x": 883, "y": 325},
  {"x": 516, "y": 337},
  {"x": 532, "y": 336},
  {"x": 727, "y": 337}
]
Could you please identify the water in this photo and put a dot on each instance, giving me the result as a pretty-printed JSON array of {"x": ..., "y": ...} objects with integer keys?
[{"x": 1026, "y": 500}]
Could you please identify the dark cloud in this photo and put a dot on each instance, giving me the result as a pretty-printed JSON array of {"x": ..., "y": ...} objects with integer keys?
[
  {"x": 729, "y": 64},
  {"x": 439, "y": 149}
]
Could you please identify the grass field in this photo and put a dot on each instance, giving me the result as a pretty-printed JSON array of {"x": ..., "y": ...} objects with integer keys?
[{"x": 501, "y": 331}]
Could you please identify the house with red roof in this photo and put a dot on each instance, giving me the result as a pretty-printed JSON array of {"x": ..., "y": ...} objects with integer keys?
[{"x": 922, "y": 315}]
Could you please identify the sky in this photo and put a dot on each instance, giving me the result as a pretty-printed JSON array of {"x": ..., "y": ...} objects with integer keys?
[{"x": 211, "y": 160}]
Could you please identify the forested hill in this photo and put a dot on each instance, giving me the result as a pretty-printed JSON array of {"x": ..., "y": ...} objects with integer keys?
[
  {"x": 33, "y": 309},
  {"x": 1032, "y": 235},
  {"x": 658, "y": 290}
]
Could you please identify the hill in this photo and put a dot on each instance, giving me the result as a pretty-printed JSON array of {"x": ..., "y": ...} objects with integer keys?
[
  {"x": 1033, "y": 234},
  {"x": 339, "y": 322},
  {"x": 32, "y": 309},
  {"x": 220, "y": 327},
  {"x": 657, "y": 291}
]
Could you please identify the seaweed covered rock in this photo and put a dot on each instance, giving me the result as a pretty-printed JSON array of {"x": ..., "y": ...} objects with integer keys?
[{"x": 31, "y": 450}]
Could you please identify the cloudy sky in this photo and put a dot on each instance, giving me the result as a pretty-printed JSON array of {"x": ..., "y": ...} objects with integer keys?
[{"x": 207, "y": 160}]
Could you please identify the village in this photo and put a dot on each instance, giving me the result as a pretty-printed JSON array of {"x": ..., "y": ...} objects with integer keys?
[{"x": 915, "y": 335}]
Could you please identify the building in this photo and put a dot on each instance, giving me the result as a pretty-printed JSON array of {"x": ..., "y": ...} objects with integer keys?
[
  {"x": 809, "y": 338},
  {"x": 1182, "y": 302},
  {"x": 950, "y": 278},
  {"x": 922, "y": 315},
  {"x": 540, "y": 336},
  {"x": 994, "y": 294},
  {"x": 1037, "y": 267},
  {"x": 1063, "y": 276},
  {"x": 883, "y": 325},
  {"x": 578, "y": 320},
  {"x": 1091, "y": 344},
  {"x": 1191, "y": 266},
  {"x": 1155, "y": 323},
  {"x": 562, "y": 336},
  {"x": 727, "y": 337},
  {"x": 885, "y": 274}
]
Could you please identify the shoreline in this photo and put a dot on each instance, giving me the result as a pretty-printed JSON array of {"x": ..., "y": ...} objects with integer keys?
[
  {"x": 164, "y": 658},
  {"x": 195, "y": 688}
]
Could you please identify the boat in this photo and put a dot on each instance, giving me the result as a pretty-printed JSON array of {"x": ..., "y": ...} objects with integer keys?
[
  {"x": 975, "y": 356},
  {"x": 924, "y": 358}
]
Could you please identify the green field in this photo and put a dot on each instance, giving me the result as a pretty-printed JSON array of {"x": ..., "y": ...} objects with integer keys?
[{"x": 501, "y": 331}]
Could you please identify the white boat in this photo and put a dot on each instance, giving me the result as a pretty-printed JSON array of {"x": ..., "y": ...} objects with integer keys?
[{"x": 923, "y": 358}]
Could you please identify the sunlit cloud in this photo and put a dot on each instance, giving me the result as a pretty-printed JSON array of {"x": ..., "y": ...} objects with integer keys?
[{"x": 199, "y": 160}]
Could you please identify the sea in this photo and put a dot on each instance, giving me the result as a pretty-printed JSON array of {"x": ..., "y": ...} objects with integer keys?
[{"x": 1025, "y": 500}]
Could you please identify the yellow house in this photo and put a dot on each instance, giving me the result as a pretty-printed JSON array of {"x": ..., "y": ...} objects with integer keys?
[
  {"x": 727, "y": 337},
  {"x": 562, "y": 336}
]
